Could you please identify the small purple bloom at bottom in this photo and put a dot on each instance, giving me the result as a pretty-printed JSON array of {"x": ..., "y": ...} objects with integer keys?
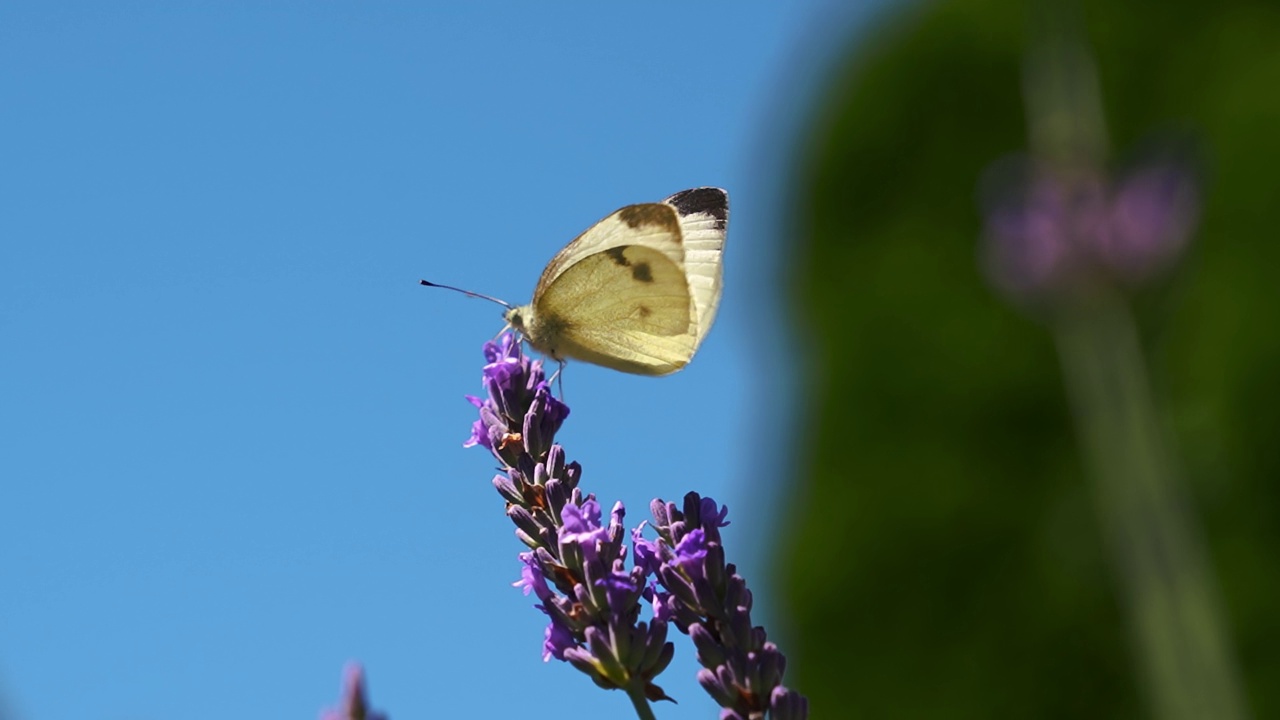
[{"x": 354, "y": 705}]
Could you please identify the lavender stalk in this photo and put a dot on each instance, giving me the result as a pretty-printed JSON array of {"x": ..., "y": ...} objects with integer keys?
[
  {"x": 1066, "y": 240},
  {"x": 576, "y": 563}
]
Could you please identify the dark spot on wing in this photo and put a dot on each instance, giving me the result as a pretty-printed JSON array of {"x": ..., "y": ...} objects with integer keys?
[
  {"x": 616, "y": 254},
  {"x": 649, "y": 214},
  {"x": 640, "y": 271},
  {"x": 702, "y": 201},
  {"x": 645, "y": 311}
]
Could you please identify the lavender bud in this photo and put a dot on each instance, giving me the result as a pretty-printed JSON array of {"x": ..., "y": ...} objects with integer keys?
[
  {"x": 707, "y": 599},
  {"x": 354, "y": 704}
]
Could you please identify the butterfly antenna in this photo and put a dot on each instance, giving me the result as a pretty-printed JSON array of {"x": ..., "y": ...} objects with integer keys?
[{"x": 466, "y": 292}]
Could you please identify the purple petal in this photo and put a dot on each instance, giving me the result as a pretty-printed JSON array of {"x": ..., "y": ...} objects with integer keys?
[
  {"x": 691, "y": 550},
  {"x": 532, "y": 578},
  {"x": 647, "y": 552},
  {"x": 1153, "y": 213},
  {"x": 556, "y": 640}
]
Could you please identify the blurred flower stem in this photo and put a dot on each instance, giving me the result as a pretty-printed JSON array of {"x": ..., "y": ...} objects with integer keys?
[
  {"x": 1179, "y": 631},
  {"x": 1181, "y": 637}
]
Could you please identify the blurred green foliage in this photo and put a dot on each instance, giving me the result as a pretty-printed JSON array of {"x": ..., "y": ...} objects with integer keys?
[{"x": 947, "y": 559}]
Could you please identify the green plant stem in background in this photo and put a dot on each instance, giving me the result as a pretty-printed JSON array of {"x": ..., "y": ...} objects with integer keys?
[{"x": 1180, "y": 633}]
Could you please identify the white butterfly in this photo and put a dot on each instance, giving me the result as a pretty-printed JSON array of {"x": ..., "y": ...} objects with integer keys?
[{"x": 637, "y": 292}]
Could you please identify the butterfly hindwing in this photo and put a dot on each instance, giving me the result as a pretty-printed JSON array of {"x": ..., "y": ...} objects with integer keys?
[{"x": 626, "y": 308}]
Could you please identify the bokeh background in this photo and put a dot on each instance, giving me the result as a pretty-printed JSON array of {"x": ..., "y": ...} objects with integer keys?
[
  {"x": 949, "y": 560},
  {"x": 231, "y": 422}
]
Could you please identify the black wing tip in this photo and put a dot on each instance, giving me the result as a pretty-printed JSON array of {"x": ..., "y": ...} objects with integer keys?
[{"x": 711, "y": 201}]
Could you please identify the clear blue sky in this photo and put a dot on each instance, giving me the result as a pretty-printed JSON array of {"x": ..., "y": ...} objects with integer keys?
[{"x": 232, "y": 422}]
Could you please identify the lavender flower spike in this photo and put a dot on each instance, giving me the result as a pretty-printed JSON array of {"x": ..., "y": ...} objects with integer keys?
[
  {"x": 576, "y": 562},
  {"x": 710, "y": 602}
]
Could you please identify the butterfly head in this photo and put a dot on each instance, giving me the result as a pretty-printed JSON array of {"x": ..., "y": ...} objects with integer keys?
[
  {"x": 542, "y": 331},
  {"x": 518, "y": 318}
]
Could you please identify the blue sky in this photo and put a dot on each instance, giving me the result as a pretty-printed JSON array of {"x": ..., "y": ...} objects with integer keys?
[{"x": 231, "y": 420}]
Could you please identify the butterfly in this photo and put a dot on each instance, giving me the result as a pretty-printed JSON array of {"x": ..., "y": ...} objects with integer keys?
[{"x": 636, "y": 292}]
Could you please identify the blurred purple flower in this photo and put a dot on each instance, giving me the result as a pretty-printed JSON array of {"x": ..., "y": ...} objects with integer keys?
[
  {"x": 1153, "y": 213},
  {"x": 354, "y": 705},
  {"x": 1050, "y": 233}
]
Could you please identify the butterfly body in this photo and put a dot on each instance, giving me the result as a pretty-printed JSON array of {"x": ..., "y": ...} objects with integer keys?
[{"x": 636, "y": 292}]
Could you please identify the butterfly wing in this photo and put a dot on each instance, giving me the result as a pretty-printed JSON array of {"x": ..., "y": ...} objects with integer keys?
[
  {"x": 704, "y": 220},
  {"x": 637, "y": 291},
  {"x": 626, "y": 308},
  {"x": 654, "y": 225}
]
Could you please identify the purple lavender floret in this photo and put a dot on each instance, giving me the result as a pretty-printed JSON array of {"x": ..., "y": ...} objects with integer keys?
[
  {"x": 576, "y": 563},
  {"x": 709, "y": 601},
  {"x": 519, "y": 410}
]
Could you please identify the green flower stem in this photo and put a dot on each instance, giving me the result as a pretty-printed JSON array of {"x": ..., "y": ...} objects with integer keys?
[
  {"x": 635, "y": 691},
  {"x": 1180, "y": 634}
]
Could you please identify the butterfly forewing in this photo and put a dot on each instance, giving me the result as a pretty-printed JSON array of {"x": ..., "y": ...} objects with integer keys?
[
  {"x": 704, "y": 219},
  {"x": 652, "y": 225}
]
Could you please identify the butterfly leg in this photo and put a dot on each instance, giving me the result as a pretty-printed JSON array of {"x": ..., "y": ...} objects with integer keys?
[
  {"x": 556, "y": 377},
  {"x": 501, "y": 332}
]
